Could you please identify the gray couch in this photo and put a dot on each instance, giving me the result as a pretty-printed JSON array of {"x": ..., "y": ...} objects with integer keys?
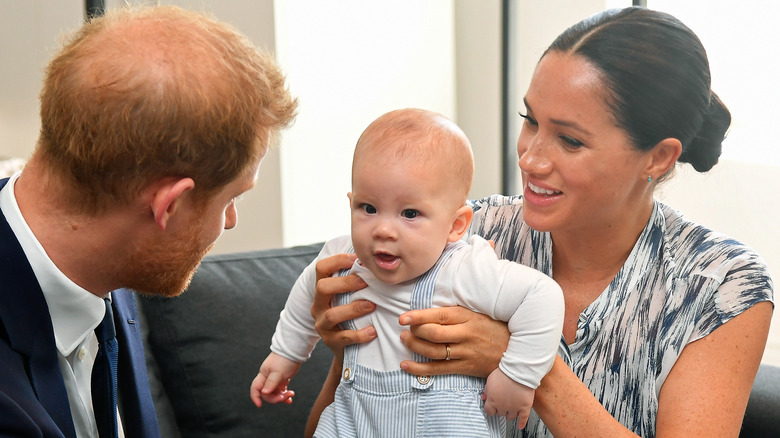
[{"x": 204, "y": 349}]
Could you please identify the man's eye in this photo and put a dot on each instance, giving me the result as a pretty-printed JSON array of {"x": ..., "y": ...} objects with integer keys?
[
  {"x": 368, "y": 208},
  {"x": 410, "y": 214}
]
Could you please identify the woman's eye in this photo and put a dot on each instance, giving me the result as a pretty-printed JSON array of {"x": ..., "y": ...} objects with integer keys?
[
  {"x": 528, "y": 119},
  {"x": 409, "y": 213},
  {"x": 368, "y": 208},
  {"x": 572, "y": 142}
]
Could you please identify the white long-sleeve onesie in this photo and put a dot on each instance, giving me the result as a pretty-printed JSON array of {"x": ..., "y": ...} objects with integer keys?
[{"x": 473, "y": 277}]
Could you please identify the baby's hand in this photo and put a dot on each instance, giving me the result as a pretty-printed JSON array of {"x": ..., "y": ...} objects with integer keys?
[
  {"x": 503, "y": 396},
  {"x": 270, "y": 384}
]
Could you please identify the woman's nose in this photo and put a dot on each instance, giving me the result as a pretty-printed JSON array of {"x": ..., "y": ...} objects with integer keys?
[{"x": 533, "y": 153}]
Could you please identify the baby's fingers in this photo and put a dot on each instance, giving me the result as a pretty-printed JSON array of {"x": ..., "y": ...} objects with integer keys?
[
  {"x": 490, "y": 409},
  {"x": 254, "y": 394},
  {"x": 254, "y": 389},
  {"x": 281, "y": 396},
  {"x": 273, "y": 381},
  {"x": 522, "y": 420}
]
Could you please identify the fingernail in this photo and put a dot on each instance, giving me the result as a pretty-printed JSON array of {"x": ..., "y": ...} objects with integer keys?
[
  {"x": 405, "y": 320},
  {"x": 404, "y": 366},
  {"x": 367, "y": 305},
  {"x": 371, "y": 331}
]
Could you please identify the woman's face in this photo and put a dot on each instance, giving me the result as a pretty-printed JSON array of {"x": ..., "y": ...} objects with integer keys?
[{"x": 580, "y": 172}]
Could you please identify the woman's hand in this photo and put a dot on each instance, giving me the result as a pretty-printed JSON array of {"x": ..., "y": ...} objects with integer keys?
[
  {"x": 476, "y": 342},
  {"x": 327, "y": 318}
]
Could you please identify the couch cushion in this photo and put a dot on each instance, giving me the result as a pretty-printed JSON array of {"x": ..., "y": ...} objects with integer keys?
[
  {"x": 762, "y": 418},
  {"x": 209, "y": 342}
]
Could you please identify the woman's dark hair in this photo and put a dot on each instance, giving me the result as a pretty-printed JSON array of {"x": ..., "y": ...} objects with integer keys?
[{"x": 657, "y": 80}]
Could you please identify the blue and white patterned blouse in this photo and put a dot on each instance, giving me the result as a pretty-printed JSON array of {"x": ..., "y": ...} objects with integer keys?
[{"x": 680, "y": 283}]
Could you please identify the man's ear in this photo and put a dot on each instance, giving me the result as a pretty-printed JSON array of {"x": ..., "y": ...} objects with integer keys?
[
  {"x": 166, "y": 198},
  {"x": 461, "y": 223},
  {"x": 663, "y": 156}
]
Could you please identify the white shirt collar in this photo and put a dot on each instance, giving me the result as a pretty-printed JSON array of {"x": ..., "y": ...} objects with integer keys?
[{"x": 74, "y": 311}]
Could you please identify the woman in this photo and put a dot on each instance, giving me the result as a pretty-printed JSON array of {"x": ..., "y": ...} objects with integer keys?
[{"x": 665, "y": 320}]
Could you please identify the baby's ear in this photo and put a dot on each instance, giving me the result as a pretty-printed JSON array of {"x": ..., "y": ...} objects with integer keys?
[{"x": 461, "y": 223}]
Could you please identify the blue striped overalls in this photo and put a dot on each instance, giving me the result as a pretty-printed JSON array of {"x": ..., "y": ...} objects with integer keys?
[{"x": 371, "y": 403}]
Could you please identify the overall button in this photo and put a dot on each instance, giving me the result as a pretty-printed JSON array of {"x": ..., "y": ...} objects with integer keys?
[
  {"x": 347, "y": 373},
  {"x": 424, "y": 379}
]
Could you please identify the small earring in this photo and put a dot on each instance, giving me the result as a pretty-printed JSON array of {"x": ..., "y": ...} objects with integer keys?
[{"x": 649, "y": 178}]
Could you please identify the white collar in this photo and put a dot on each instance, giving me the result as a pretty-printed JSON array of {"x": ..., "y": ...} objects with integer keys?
[{"x": 74, "y": 311}]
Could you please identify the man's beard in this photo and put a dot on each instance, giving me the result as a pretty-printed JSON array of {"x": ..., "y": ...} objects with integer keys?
[{"x": 166, "y": 269}]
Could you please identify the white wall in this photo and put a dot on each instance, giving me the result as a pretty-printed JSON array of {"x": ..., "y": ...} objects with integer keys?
[
  {"x": 738, "y": 37},
  {"x": 29, "y": 33},
  {"x": 351, "y": 61},
  {"x": 478, "y": 88}
]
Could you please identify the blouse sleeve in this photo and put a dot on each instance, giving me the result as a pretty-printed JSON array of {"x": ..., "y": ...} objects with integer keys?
[{"x": 745, "y": 282}]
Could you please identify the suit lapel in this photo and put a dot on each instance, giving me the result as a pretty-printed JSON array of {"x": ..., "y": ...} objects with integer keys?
[{"x": 25, "y": 316}]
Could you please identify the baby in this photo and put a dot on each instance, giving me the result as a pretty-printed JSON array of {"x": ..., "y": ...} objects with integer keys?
[{"x": 411, "y": 174}]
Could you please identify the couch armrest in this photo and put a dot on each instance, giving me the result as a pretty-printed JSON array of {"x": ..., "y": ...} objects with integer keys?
[{"x": 209, "y": 342}]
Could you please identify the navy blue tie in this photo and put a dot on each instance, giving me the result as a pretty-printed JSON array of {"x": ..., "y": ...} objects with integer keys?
[{"x": 104, "y": 376}]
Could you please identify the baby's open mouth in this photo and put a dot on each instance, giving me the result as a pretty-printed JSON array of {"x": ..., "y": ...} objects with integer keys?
[{"x": 386, "y": 261}]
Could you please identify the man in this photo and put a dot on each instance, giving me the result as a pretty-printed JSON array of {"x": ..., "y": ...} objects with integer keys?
[{"x": 152, "y": 122}]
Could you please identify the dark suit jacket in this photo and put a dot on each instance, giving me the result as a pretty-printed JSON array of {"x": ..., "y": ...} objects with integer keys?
[{"x": 33, "y": 400}]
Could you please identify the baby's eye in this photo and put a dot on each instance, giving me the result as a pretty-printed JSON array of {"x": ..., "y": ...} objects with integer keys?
[
  {"x": 410, "y": 213},
  {"x": 368, "y": 208}
]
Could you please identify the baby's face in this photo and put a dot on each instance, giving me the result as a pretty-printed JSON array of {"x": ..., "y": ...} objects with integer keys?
[{"x": 402, "y": 216}]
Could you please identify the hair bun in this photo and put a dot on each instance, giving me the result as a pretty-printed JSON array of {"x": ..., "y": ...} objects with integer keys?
[{"x": 705, "y": 148}]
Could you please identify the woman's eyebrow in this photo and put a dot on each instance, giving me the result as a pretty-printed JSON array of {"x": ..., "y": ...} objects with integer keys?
[{"x": 560, "y": 122}]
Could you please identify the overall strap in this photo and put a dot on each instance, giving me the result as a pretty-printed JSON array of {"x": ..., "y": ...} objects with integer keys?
[
  {"x": 350, "y": 351},
  {"x": 422, "y": 295}
]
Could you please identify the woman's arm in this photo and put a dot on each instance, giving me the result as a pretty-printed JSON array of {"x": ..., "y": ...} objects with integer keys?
[
  {"x": 705, "y": 394},
  {"x": 325, "y": 398},
  {"x": 477, "y": 344},
  {"x": 708, "y": 388},
  {"x": 568, "y": 408},
  {"x": 327, "y": 320}
]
